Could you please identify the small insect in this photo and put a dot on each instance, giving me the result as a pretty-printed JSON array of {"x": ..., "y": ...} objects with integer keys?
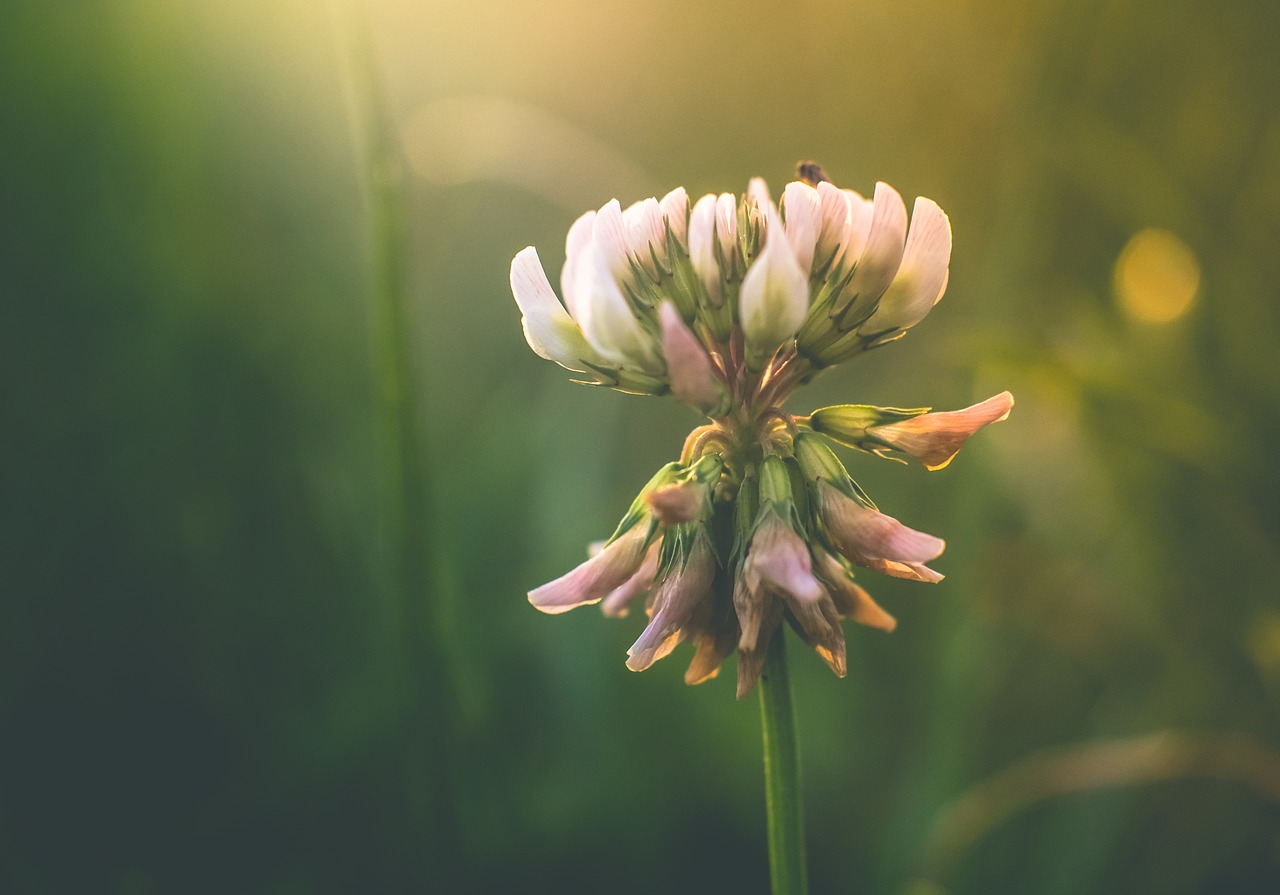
[{"x": 811, "y": 173}]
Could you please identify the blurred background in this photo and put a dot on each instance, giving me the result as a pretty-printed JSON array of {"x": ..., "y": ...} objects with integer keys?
[{"x": 267, "y": 534}]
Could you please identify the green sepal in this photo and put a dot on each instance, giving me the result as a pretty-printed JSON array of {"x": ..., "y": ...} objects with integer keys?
[
  {"x": 848, "y": 424},
  {"x": 630, "y": 382},
  {"x": 819, "y": 463},
  {"x": 746, "y": 511},
  {"x": 639, "y": 510},
  {"x": 775, "y": 483}
]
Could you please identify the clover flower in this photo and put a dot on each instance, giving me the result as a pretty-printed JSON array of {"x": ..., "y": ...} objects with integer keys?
[{"x": 729, "y": 305}]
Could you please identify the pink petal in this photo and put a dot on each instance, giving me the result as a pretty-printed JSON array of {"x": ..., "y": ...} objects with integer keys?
[
  {"x": 617, "y": 603},
  {"x": 678, "y": 597},
  {"x": 779, "y": 557},
  {"x": 591, "y": 581},
  {"x": 693, "y": 380},
  {"x": 871, "y": 539}
]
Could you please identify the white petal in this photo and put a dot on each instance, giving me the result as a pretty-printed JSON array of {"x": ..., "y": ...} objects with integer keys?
[
  {"x": 803, "y": 210},
  {"x": 548, "y": 328},
  {"x": 675, "y": 209},
  {"x": 861, "y": 212},
  {"x": 574, "y": 246},
  {"x": 775, "y": 294},
  {"x": 727, "y": 225},
  {"x": 835, "y": 214},
  {"x": 923, "y": 275},
  {"x": 702, "y": 252},
  {"x": 758, "y": 190},
  {"x": 883, "y": 252},
  {"x": 609, "y": 234},
  {"x": 609, "y": 324},
  {"x": 646, "y": 231}
]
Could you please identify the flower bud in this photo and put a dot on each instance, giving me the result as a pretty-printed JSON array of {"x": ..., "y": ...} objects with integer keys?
[
  {"x": 702, "y": 246},
  {"x": 774, "y": 297},
  {"x": 675, "y": 211},
  {"x": 726, "y": 230}
]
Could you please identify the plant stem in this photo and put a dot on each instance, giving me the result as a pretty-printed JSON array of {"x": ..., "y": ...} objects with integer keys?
[{"x": 784, "y": 805}]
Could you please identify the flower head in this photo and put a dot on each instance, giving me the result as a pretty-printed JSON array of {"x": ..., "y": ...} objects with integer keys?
[{"x": 729, "y": 304}]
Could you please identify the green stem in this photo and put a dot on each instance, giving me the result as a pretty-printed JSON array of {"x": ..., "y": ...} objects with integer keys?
[{"x": 784, "y": 804}]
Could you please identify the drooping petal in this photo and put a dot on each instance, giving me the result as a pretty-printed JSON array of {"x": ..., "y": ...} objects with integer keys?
[
  {"x": 802, "y": 206},
  {"x": 775, "y": 295},
  {"x": 575, "y": 244},
  {"x": 751, "y": 658},
  {"x": 879, "y": 260},
  {"x": 818, "y": 624},
  {"x": 935, "y": 438},
  {"x": 675, "y": 211},
  {"x": 677, "y": 597},
  {"x": 874, "y": 540},
  {"x": 714, "y": 631},
  {"x": 850, "y": 599},
  {"x": 693, "y": 379},
  {"x": 595, "y": 578},
  {"x": 548, "y": 328},
  {"x": 778, "y": 560},
  {"x": 618, "y": 602},
  {"x": 922, "y": 277}
]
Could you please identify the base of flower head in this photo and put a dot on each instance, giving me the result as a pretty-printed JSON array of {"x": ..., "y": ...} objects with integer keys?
[{"x": 740, "y": 536}]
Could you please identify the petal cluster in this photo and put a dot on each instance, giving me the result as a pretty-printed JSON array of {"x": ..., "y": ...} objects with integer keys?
[
  {"x": 668, "y": 296},
  {"x": 729, "y": 303}
]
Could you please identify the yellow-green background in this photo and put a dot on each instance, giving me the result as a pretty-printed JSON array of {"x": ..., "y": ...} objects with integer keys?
[{"x": 211, "y": 678}]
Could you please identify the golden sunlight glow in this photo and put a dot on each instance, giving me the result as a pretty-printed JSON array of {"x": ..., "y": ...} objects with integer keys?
[{"x": 1156, "y": 277}]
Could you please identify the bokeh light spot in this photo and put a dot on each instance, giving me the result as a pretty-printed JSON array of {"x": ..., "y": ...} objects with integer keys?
[{"x": 1156, "y": 277}]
